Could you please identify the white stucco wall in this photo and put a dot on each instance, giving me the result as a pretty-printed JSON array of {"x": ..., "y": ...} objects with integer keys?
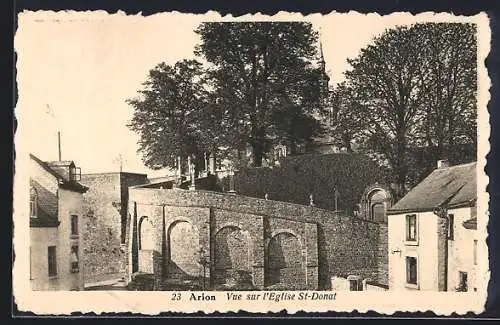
[
  {"x": 40, "y": 240},
  {"x": 461, "y": 251},
  {"x": 425, "y": 249},
  {"x": 69, "y": 203}
]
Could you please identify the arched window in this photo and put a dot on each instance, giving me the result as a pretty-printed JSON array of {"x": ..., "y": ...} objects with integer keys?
[
  {"x": 377, "y": 201},
  {"x": 33, "y": 202}
]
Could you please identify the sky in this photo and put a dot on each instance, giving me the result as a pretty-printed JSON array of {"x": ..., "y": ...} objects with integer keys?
[{"x": 75, "y": 71}]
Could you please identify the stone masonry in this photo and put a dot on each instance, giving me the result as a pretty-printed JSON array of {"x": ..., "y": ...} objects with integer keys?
[
  {"x": 223, "y": 239},
  {"x": 105, "y": 221}
]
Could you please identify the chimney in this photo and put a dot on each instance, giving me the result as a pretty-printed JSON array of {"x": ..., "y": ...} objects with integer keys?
[{"x": 443, "y": 163}]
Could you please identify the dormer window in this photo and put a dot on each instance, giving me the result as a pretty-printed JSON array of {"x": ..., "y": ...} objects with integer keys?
[
  {"x": 33, "y": 203},
  {"x": 75, "y": 173}
]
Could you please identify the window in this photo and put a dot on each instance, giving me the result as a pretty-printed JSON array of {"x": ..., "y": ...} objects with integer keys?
[
  {"x": 33, "y": 203},
  {"x": 473, "y": 212},
  {"x": 109, "y": 236},
  {"x": 75, "y": 174},
  {"x": 411, "y": 227},
  {"x": 74, "y": 225},
  {"x": 462, "y": 282},
  {"x": 411, "y": 270},
  {"x": 474, "y": 252},
  {"x": 451, "y": 221},
  {"x": 74, "y": 259},
  {"x": 355, "y": 284},
  {"x": 52, "y": 261}
]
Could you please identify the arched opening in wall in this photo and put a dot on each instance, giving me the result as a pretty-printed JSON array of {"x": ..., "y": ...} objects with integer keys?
[
  {"x": 233, "y": 258},
  {"x": 377, "y": 205},
  {"x": 146, "y": 241},
  {"x": 285, "y": 267},
  {"x": 378, "y": 212},
  {"x": 183, "y": 246},
  {"x": 135, "y": 241}
]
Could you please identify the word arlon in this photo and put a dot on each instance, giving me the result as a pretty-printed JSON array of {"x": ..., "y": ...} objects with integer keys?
[{"x": 201, "y": 297}]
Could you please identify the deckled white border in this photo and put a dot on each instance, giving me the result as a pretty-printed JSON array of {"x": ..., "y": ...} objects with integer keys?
[{"x": 63, "y": 303}]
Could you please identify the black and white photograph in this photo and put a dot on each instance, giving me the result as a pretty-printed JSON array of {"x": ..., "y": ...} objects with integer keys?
[{"x": 288, "y": 159}]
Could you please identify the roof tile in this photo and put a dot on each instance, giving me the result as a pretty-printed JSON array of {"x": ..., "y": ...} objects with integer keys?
[{"x": 452, "y": 186}]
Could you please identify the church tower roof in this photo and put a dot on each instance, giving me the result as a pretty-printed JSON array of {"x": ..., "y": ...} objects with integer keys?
[{"x": 325, "y": 78}]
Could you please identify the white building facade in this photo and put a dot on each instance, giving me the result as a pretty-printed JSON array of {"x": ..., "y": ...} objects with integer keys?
[
  {"x": 432, "y": 233},
  {"x": 56, "y": 219}
]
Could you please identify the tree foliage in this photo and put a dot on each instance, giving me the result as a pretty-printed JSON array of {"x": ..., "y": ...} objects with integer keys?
[
  {"x": 259, "y": 88},
  {"x": 346, "y": 126},
  {"x": 167, "y": 113},
  {"x": 263, "y": 76},
  {"x": 412, "y": 88}
]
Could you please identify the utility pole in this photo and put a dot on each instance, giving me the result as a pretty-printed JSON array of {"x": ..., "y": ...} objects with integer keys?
[{"x": 59, "y": 144}]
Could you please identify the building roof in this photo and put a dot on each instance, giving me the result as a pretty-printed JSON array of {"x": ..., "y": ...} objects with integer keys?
[
  {"x": 112, "y": 173},
  {"x": 56, "y": 170},
  {"x": 57, "y": 163},
  {"x": 161, "y": 179},
  {"x": 451, "y": 187},
  {"x": 47, "y": 207}
]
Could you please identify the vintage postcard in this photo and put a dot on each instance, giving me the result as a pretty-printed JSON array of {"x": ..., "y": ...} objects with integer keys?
[{"x": 183, "y": 163}]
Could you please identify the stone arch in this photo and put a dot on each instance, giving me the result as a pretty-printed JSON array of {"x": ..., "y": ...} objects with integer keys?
[
  {"x": 289, "y": 231},
  {"x": 135, "y": 239},
  {"x": 375, "y": 202},
  {"x": 233, "y": 256},
  {"x": 285, "y": 264},
  {"x": 183, "y": 250},
  {"x": 146, "y": 234}
]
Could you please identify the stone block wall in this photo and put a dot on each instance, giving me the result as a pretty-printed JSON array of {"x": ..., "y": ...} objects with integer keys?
[
  {"x": 442, "y": 248},
  {"x": 102, "y": 227},
  {"x": 105, "y": 222},
  {"x": 315, "y": 244},
  {"x": 146, "y": 261},
  {"x": 237, "y": 249},
  {"x": 349, "y": 246},
  {"x": 383, "y": 255}
]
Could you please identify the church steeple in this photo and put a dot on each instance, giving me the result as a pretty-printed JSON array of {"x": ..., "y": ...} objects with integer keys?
[
  {"x": 323, "y": 81},
  {"x": 324, "y": 78},
  {"x": 321, "y": 56}
]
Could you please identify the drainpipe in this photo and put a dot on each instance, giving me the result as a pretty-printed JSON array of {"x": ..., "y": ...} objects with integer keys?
[{"x": 442, "y": 213}]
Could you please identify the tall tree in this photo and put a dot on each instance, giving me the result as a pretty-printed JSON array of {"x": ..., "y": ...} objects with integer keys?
[
  {"x": 346, "y": 123},
  {"x": 167, "y": 113},
  {"x": 259, "y": 70},
  {"x": 385, "y": 77},
  {"x": 416, "y": 87},
  {"x": 450, "y": 75}
]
